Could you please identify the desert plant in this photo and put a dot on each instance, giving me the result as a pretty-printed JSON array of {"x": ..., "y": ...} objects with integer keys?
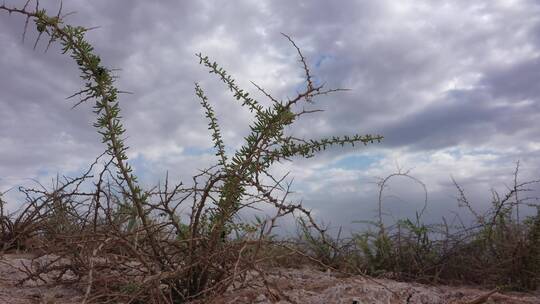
[
  {"x": 42, "y": 213},
  {"x": 325, "y": 249},
  {"x": 501, "y": 244},
  {"x": 148, "y": 251},
  {"x": 499, "y": 250},
  {"x": 532, "y": 257}
]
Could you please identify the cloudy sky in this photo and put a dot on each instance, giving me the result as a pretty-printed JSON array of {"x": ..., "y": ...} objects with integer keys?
[{"x": 453, "y": 86}]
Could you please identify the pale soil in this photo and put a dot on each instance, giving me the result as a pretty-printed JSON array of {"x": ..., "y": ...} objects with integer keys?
[
  {"x": 286, "y": 286},
  {"x": 316, "y": 287},
  {"x": 12, "y": 268}
]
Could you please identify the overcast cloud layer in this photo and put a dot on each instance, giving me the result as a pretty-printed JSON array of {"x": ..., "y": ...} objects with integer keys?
[{"x": 452, "y": 86}]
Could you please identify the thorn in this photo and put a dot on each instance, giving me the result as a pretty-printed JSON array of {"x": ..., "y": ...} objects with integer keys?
[
  {"x": 25, "y": 5},
  {"x": 25, "y": 28},
  {"x": 59, "y": 10},
  {"x": 37, "y": 40},
  {"x": 68, "y": 14}
]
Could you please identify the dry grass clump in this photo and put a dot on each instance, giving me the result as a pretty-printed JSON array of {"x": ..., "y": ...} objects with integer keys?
[{"x": 500, "y": 249}]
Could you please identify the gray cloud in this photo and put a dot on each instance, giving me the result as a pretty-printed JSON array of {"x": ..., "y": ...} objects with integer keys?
[{"x": 452, "y": 87}]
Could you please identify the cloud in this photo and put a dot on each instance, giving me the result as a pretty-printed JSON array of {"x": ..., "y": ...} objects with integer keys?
[{"x": 452, "y": 87}]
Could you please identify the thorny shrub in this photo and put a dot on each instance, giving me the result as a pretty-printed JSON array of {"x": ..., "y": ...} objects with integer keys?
[
  {"x": 129, "y": 244},
  {"x": 500, "y": 249}
]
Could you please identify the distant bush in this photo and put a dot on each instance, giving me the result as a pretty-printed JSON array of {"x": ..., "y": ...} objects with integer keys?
[{"x": 499, "y": 250}]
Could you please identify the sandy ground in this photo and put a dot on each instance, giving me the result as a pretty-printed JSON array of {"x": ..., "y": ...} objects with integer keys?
[
  {"x": 286, "y": 286},
  {"x": 315, "y": 287},
  {"x": 31, "y": 292}
]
